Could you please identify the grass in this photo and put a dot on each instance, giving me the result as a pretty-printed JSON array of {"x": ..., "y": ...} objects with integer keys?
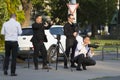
[{"x": 111, "y": 43}]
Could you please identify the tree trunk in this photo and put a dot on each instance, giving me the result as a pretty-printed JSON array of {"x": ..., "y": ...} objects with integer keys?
[
  {"x": 94, "y": 30},
  {"x": 27, "y": 6}
]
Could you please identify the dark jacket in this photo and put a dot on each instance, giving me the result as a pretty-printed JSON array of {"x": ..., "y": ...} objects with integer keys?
[
  {"x": 69, "y": 29},
  {"x": 39, "y": 33}
]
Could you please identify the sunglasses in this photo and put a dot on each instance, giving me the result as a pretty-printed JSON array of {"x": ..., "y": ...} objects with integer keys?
[{"x": 72, "y": 18}]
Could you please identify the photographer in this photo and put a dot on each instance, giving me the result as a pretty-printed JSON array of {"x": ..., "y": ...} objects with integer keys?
[
  {"x": 38, "y": 40},
  {"x": 83, "y": 53}
]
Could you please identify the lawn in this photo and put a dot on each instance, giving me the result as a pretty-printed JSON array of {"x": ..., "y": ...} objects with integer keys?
[{"x": 111, "y": 43}]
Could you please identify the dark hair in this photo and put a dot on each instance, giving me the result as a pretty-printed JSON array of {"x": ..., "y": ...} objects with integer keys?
[
  {"x": 12, "y": 15},
  {"x": 37, "y": 16},
  {"x": 86, "y": 37},
  {"x": 69, "y": 15}
]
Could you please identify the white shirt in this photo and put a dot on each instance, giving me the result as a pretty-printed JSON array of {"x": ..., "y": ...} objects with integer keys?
[
  {"x": 11, "y": 29},
  {"x": 81, "y": 48}
]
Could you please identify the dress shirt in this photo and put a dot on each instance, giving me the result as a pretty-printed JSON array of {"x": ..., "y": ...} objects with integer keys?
[
  {"x": 11, "y": 29},
  {"x": 81, "y": 48}
]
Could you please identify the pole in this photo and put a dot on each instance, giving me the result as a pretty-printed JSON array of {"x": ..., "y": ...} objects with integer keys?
[
  {"x": 75, "y": 15},
  {"x": 106, "y": 25}
]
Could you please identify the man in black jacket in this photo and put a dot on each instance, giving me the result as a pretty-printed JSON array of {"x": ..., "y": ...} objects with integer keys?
[
  {"x": 71, "y": 33},
  {"x": 38, "y": 40}
]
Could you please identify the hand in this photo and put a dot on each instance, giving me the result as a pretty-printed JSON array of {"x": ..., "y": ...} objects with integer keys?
[
  {"x": 92, "y": 51},
  {"x": 46, "y": 24},
  {"x": 75, "y": 34}
]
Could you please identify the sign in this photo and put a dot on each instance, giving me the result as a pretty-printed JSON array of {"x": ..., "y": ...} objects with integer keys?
[{"x": 72, "y": 7}]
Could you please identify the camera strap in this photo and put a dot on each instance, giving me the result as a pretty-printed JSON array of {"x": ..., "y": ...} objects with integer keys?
[{"x": 87, "y": 52}]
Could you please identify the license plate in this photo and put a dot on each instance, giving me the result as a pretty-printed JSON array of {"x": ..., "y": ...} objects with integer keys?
[{"x": 24, "y": 48}]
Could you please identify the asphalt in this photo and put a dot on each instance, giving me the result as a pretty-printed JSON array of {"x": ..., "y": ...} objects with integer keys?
[
  {"x": 108, "y": 69},
  {"x": 103, "y": 70}
]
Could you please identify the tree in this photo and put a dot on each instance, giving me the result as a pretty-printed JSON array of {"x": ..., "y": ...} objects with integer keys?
[
  {"x": 27, "y": 6},
  {"x": 59, "y": 11},
  {"x": 13, "y": 7},
  {"x": 95, "y": 13},
  {"x": 8, "y": 7}
]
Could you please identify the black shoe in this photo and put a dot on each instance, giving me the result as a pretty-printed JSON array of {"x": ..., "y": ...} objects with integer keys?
[
  {"x": 46, "y": 67},
  {"x": 5, "y": 73},
  {"x": 84, "y": 68},
  {"x": 78, "y": 69},
  {"x": 73, "y": 66},
  {"x": 36, "y": 68},
  {"x": 65, "y": 67},
  {"x": 13, "y": 74}
]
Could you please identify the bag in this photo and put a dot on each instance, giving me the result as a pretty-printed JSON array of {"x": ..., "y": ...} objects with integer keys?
[{"x": 45, "y": 39}]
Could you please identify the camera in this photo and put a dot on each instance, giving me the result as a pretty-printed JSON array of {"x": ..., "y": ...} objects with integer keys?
[
  {"x": 93, "y": 45},
  {"x": 58, "y": 37}
]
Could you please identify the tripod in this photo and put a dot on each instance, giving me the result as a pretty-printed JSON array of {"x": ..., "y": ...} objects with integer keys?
[{"x": 57, "y": 48}]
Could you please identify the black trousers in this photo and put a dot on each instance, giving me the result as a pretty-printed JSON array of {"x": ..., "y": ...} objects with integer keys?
[
  {"x": 39, "y": 47},
  {"x": 84, "y": 61},
  {"x": 70, "y": 45},
  {"x": 11, "y": 48}
]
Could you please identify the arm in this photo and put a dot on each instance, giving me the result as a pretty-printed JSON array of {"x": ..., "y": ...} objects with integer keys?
[
  {"x": 91, "y": 52},
  {"x": 19, "y": 29}
]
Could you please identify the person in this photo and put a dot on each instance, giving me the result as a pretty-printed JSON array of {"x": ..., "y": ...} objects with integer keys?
[
  {"x": 70, "y": 33},
  {"x": 83, "y": 53},
  {"x": 38, "y": 40},
  {"x": 11, "y": 29}
]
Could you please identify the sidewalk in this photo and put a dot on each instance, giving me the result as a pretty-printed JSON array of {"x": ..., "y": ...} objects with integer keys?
[{"x": 102, "y": 69}]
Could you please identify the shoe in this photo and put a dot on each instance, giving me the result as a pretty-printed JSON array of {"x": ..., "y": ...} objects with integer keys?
[
  {"x": 78, "y": 69},
  {"x": 13, "y": 74},
  {"x": 5, "y": 73},
  {"x": 73, "y": 66},
  {"x": 46, "y": 67},
  {"x": 65, "y": 67},
  {"x": 36, "y": 68},
  {"x": 84, "y": 68}
]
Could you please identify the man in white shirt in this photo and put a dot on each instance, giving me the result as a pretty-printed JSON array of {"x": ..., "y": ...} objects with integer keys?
[
  {"x": 83, "y": 53},
  {"x": 11, "y": 29}
]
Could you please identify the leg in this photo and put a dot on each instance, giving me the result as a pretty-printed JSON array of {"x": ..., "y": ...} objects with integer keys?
[
  {"x": 89, "y": 61},
  {"x": 35, "y": 55},
  {"x": 14, "y": 56},
  {"x": 73, "y": 52},
  {"x": 66, "y": 56},
  {"x": 44, "y": 53},
  {"x": 79, "y": 59},
  {"x": 7, "y": 55}
]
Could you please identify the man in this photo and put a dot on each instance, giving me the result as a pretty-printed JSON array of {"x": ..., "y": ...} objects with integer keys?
[
  {"x": 83, "y": 53},
  {"x": 70, "y": 33},
  {"x": 11, "y": 29},
  {"x": 38, "y": 40}
]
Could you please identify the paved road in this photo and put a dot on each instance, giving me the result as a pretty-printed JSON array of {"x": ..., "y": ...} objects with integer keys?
[{"x": 101, "y": 69}]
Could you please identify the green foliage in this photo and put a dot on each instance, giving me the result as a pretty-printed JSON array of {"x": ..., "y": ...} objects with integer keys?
[
  {"x": 96, "y": 12},
  {"x": 39, "y": 7},
  {"x": 6, "y": 8},
  {"x": 102, "y": 43},
  {"x": 59, "y": 10},
  {"x": 13, "y": 7}
]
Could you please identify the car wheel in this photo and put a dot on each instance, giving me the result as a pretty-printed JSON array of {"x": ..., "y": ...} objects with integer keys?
[{"x": 52, "y": 53}]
